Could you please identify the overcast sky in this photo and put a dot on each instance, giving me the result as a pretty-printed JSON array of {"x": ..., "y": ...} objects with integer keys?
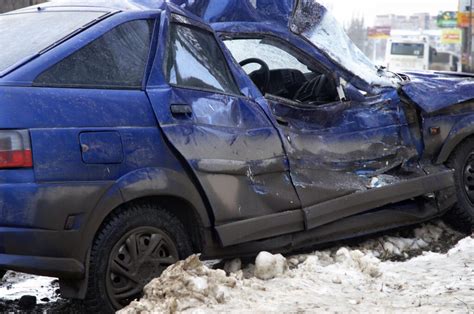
[{"x": 345, "y": 9}]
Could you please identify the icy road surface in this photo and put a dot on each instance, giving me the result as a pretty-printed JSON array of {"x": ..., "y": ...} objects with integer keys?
[{"x": 339, "y": 280}]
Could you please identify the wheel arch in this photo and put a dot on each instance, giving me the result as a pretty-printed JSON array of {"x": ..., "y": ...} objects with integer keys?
[
  {"x": 463, "y": 130},
  {"x": 177, "y": 206},
  {"x": 165, "y": 186},
  {"x": 170, "y": 189}
]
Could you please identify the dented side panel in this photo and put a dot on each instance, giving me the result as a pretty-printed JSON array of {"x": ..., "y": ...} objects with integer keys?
[
  {"x": 230, "y": 146},
  {"x": 233, "y": 150},
  {"x": 338, "y": 149}
]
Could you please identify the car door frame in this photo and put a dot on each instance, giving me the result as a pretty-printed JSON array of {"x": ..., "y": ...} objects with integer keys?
[
  {"x": 316, "y": 215},
  {"x": 247, "y": 229},
  {"x": 378, "y": 104}
]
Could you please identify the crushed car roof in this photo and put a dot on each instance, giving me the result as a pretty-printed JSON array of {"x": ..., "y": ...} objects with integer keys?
[
  {"x": 431, "y": 92},
  {"x": 310, "y": 20},
  {"x": 307, "y": 19}
]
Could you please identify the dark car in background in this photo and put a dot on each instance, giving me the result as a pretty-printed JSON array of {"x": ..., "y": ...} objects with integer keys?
[{"x": 130, "y": 138}]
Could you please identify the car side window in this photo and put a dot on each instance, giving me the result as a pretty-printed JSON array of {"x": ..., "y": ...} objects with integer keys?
[
  {"x": 275, "y": 57},
  {"x": 117, "y": 60},
  {"x": 292, "y": 76},
  {"x": 195, "y": 60}
]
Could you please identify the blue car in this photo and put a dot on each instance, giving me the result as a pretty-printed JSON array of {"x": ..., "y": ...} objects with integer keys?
[{"x": 135, "y": 133}]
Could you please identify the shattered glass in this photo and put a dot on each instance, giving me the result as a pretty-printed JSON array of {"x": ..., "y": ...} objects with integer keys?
[{"x": 312, "y": 21}]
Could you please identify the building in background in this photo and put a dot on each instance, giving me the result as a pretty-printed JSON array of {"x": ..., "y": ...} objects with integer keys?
[
  {"x": 413, "y": 22},
  {"x": 10, "y": 5}
]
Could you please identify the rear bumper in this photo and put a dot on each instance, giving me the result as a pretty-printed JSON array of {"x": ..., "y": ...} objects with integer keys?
[
  {"x": 46, "y": 253},
  {"x": 42, "y": 226},
  {"x": 44, "y": 266}
]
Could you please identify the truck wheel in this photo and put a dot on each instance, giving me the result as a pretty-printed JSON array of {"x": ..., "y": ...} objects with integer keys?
[
  {"x": 133, "y": 247},
  {"x": 462, "y": 161}
]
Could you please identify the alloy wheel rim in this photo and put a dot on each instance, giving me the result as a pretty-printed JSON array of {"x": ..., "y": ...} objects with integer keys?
[{"x": 139, "y": 256}]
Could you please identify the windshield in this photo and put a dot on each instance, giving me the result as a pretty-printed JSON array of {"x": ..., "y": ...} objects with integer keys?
[
  {"x": 406, "y": 49},
  {"x": 312, "y": 21},
  {"x": 24, "y": 35}
]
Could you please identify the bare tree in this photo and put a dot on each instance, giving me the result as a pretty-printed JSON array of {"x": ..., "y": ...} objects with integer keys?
[
  {"x": 357, "y": 31},
  {"x": 10, "y": 5}
]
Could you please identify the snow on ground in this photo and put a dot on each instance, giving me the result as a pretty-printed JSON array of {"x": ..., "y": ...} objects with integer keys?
[
  {"x": 363, "y": 278},
  {"x": 381, "y": 274},
  {"x": 16, "y": 285}
]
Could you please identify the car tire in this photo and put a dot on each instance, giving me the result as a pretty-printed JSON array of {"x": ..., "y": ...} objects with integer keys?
[
  {"x": 145, "y": 233},
  {"x": 461, "y": 216},
  {"x": 2, "y": 274}
]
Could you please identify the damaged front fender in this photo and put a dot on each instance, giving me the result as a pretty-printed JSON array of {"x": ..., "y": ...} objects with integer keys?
[
  {"x": 436, "y": 91},
  {"x": 459, "y": 132}
]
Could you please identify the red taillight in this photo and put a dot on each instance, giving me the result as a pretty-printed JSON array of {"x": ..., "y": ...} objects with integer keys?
[{"x": 15, "y": 149}]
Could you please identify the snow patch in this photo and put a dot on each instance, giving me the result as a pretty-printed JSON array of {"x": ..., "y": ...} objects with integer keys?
[
  {"x": 269, "y": 266},
  {"x": 233, "y": 266},
  {"x": 389, "y": 247},
  {"x": 366, "y": 263},
  {"x": 347, "y": 279},
  {"x": 15, "y": 285},
  {"x": 187, "y": 284}
]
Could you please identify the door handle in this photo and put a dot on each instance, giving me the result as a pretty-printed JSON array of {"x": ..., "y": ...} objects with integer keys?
[{"x": 181, "y": 110}]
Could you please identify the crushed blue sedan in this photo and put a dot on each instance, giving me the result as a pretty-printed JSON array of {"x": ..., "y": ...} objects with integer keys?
[{"x": 135, "y": 133}]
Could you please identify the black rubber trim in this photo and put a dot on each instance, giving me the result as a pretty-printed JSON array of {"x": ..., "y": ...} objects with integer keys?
[
  {"x": 261, "y": 227},
  {"x": 360, "y": 202},
  {"x": 67, "y": 268},
  {"x": 238, "y": 167}
]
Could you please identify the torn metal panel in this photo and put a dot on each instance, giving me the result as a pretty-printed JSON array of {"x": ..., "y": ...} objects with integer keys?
[
  {"x": 358, "y": 203},
  {"x": 355, "y": 207},
  {"x": 336, "y": 149}
]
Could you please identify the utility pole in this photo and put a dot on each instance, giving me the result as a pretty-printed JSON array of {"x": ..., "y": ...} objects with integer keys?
[{"x": 469, "y": 37}]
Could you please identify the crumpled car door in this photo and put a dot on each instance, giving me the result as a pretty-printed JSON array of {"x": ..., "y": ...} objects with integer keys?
[
  {"x": 231, "y": 146},
  {"x": 337, "y": 149}
]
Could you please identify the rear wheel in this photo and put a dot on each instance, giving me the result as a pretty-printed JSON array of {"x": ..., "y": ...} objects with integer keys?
[
  {"x": 132, "y": 248},
  {"x": 462, "y": 161}
]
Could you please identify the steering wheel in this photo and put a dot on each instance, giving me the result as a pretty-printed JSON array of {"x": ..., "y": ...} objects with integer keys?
[{"x": 261, "y": 76}]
